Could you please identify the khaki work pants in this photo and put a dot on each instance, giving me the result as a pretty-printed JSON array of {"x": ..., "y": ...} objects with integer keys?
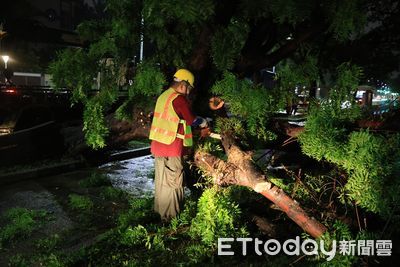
[{"x": 168, "y": 196}]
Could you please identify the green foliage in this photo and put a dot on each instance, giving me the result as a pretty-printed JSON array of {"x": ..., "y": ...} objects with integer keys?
[
  {"x": 95, "y": 180},
  {"x": 101, "y": 66},
  {"x": 135, "y": 236},
  {"x": 363, "y": 155},
  {"x": 185, "y": 34},
  {"x": 172, "y": 242},
  {"x": 121, "y": 26},
  {"x": 48, "y": 244},
  {"x": 74, "y": 69},
  {"x": 371, "y": 160},
  {"x": 348, "y": 78},
  {"x": 217, "y": 216},
  {"x": 193, "y": 11},
  {"x": 102, "y": 48},
  {"x": 227, "y": 43},
  {"x": 94, "y": 124},
  {"x": 314, "y": 190},
  {"x": 186, "y": 216},
  {"x": 90, "y": 30},
  {"x": 140, "y": 210},
  {"x": 291, "y": 76},
  {"x": 323, "y": 136},
  {"x": 148, "y": 81},
  {"x": 81, "y": 203},
  {"x": 250, "y": 102},
  {"x": 139, "y": 236},
  {"x": 50, "y": 260},
  {"x": 346, "y": 18},
  {"x": 124, "y": 112},
  {"x": 325, "y": 130},
  {"x": 173, "y": 27},
  {"x": 198, "y": 253},
  {"x": 230, "y": 125},
  {"x": 282, "y": 183},
  {"x": 21, "y": 223},
  {"x": 157, "y": 241},
  {"x": 290, "y": 11},
  {"x": 114, "y": 194},
  {"x": 213, "y": 147},
  {"x": 339, "y": 231},
  {"x": 372, "y": 163},
  {"x": 18, "y": 261}
]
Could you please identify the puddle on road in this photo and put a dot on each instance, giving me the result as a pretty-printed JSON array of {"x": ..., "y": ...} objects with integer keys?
[{"x": 135, "y": 176}]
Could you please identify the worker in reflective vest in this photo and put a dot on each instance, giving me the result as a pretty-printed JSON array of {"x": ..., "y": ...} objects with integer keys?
[{"x": 170, "y": 132}]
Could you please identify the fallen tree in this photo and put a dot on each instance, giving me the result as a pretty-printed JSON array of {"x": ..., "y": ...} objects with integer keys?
[
  {"x": 224, "y": 43},
  {"x": 240, "y": 170}
]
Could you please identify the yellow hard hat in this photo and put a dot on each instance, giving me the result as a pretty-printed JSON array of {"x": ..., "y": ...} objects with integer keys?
[{"x": 184, "y": 75}]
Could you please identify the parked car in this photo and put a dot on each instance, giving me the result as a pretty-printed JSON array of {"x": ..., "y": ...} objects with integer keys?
[{"x": 27, "y": 134}]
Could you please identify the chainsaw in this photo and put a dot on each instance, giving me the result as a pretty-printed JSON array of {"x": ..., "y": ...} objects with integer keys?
[{"x": 208, "y": 132}]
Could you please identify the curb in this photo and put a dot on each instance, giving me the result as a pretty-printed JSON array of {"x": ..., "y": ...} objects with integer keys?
[{"x": 10, "y": 178}]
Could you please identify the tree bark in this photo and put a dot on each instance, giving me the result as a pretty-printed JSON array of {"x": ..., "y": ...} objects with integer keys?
[
  {"x": 240, "y": 170},
  {"x": 124, "y": 131},
  {"x": 121, "y": 132}
]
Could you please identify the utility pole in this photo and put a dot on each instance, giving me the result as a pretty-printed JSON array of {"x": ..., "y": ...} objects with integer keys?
[
  {"x": 5, "y": 58},
  {"x": 141, "y": 39}
]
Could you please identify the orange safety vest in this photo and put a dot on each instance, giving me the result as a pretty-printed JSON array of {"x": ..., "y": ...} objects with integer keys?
[{"x": 164, "y": 128}]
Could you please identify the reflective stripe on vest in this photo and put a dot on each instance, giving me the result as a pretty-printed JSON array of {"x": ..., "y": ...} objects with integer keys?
[
  {"x": 164, "y": 127},
  {"x": 169, "y": 133}
]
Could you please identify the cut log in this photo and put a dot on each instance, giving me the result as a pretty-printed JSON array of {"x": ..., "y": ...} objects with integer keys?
[{"x": 240, "y": 170}]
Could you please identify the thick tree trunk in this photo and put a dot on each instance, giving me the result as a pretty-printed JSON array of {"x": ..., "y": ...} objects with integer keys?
[
  {"x": 121, "y": 132},
  {"x": 240, "y": 170},
  {"x": 124, "y": 131}
]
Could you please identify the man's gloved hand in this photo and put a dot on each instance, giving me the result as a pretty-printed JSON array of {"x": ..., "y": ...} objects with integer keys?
[
  {"x": 200, "y": 122},
  {"x": 205, "y": 132},
  {"x": 204, "y": 123}
]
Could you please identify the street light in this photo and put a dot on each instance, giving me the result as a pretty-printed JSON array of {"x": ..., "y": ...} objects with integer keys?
[{"x": 5, "y": 59}]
